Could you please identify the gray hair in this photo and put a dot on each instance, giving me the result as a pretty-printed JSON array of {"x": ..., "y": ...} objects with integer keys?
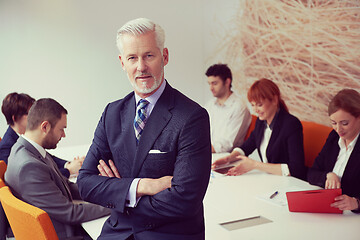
[{"x": 141, "y": 26}]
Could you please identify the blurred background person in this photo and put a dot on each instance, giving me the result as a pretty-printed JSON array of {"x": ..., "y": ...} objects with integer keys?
[
  {"x": 278, "y": 136},
  {"x": 229, "y": 116},
  {"x": 338, "y": 163}
]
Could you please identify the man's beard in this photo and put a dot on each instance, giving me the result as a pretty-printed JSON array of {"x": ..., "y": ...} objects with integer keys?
[
  {"x": 49, "y": 142},
  {"x": 144, "y": 89}
]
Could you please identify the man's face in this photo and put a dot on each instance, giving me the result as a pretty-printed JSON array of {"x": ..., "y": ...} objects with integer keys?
[
  {"x": 55, "y": 134},
  {"x": 217, "y": 86},
  {"x": 143, "y": 62}
]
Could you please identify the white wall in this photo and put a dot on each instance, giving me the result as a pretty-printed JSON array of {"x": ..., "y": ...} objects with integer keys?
[{"x": 66, "y": 50}]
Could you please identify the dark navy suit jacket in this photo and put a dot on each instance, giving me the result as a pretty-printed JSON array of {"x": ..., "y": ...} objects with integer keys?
[
  {"x": 285, "y": 145},
  {"x": 179, "y": 130},
  {"x": 325, "y": 162},
  {"x": 10, "y": 138}
]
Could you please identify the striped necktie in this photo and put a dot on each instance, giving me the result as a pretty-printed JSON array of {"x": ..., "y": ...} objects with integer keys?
[{"x": 140, "y": 118}]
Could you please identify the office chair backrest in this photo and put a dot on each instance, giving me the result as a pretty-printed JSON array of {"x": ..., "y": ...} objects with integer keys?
[
  {"x": 251, "y": 127},
  {"x": 3, "y": 167},
  {"x": 243, "y": 129},
  {"x": 315, "y": 136},
  {"x": 26, "y": 221},
  {"x": 2, "y": 184},
  {"x": 2, "y": 172}
]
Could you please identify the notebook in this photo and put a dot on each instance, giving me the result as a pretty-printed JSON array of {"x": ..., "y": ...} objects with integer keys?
[{"x": 313, "y": 201}]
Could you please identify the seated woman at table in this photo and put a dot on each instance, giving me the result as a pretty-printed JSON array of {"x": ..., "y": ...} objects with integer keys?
[
  {"x": 338, "y": 163},
  {"x": 277, "y": 136}
]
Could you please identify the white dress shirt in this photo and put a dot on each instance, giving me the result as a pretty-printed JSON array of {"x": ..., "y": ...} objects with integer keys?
[
  {"x": 131, "y": 196},
  {"x": 343, "y": 157},
  {"x": 226, "y": 120}
]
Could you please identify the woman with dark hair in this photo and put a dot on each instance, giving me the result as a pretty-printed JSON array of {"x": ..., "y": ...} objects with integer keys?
[
  {"x": 15, "y": 108},
  {"x": 338, "y": 163},
  {"x": 277, "y": 136}
]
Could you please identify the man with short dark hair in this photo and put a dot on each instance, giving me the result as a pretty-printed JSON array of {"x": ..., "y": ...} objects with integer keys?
[
  {"x": 229, "y": 116},
  {"x": 15, "y": 108},
  {"x": 33, "y": 176}
]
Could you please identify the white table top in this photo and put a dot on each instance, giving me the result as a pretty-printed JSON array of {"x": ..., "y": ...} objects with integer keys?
[{"x": 230, "y": 198}]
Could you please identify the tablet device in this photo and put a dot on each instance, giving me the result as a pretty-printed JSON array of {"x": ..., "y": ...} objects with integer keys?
[
  {"x": 313, "y": 201},
  {"x": 224, "y": 168}
]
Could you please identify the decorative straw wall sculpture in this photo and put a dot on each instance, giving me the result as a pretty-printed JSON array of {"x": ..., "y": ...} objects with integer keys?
[{"x": 311, "y": 49}]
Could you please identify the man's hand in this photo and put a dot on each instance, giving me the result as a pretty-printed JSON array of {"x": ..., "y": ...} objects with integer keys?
[
  {"x": 107, "y": 171},
  {"x": 75, "y": 165},
  {"x": 150, "y": 186},
  {"x": 146, "y": 186}
]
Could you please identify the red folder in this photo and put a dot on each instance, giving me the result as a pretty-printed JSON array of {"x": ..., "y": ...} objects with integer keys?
[{"x": 314, "y": 201}]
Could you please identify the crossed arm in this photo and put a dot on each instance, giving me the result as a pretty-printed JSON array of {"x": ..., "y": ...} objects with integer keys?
[{"x": 146, "y": 186}]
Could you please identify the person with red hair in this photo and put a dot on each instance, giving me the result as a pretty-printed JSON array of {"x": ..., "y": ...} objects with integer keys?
[{"x": 278, "y": 136}]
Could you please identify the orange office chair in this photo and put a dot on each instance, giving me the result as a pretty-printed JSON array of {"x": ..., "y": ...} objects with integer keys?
[
  {"x": 26, "y": 221},
  {"x": 251, "y": 127},
  {"x": 315, "y": 136},
  {"x": 2, "y": 172}
]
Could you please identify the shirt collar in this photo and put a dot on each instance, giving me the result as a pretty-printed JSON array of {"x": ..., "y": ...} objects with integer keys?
[
  {"x": 341, "y": 143},
  {"x": 40, "y": 149},
  {"x": 228, "y": 101},
  {"x": 152, "y": 99}
]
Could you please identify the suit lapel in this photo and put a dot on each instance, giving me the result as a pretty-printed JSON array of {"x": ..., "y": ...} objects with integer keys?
[
  {"x": 13, "y": 135},
  {"x": 31, "y": 149},
  {"x": 260, "y": 136},
  {"x": 157, "y": 121},
  {"x": 275, "y": 132},
  {"x": 51, "y": 165},
  {"x": 127, "y": 120},
  {"x": 353, "y": 160}
]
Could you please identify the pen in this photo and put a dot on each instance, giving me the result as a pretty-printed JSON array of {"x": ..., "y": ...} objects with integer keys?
[{"x": 274, "y": 194}]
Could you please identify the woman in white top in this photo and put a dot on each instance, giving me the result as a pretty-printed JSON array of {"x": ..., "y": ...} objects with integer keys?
[
  {"x": 277, "y": 136},
  {"x": 338, "y": 163}
]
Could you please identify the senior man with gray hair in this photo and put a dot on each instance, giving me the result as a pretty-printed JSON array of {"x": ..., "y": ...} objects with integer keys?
[{"x": 152, "y": 149}]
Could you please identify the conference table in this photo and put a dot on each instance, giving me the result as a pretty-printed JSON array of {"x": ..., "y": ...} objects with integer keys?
[
  {"x": 246, "y": 198},
  {"x": 239, "y": 207}
]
